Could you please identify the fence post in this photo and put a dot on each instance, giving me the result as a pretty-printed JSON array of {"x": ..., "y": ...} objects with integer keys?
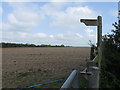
[{"x": 93, "y": 79}]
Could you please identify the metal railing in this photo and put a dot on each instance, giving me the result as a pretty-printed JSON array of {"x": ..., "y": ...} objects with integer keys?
[
  {"x": 73, "y": 78},
  {"x": 92, "y": 73}
]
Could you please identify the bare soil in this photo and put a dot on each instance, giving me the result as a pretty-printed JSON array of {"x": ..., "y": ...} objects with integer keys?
[{"x": 23, "y": 67}]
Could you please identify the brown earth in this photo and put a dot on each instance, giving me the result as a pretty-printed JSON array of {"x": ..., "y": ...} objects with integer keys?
[{"x": 23, "y": 67}]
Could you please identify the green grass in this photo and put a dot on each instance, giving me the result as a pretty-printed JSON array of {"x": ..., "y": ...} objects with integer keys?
[
  {"x": 29, "y": 79},
  {"x": 23, "y": 74},
  {"x": 82, "y": 83},
  {"x": 54, "y": 85}
]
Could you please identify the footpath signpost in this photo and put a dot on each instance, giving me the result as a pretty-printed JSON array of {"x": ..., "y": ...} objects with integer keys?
[
  {"x": 93, "y": 79},
  {"x": 92, "y": 70},
  {"x": 96, "y": 22}
]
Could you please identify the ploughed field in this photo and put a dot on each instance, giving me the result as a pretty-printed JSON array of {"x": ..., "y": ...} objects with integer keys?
[{"x": 23, "y": 67}]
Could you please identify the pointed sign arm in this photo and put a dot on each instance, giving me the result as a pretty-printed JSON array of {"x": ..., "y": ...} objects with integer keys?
[{"x": 89, "y": 22}]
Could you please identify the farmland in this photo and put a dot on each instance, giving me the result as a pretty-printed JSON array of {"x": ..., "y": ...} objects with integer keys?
[{"x": 23, "y": 67}]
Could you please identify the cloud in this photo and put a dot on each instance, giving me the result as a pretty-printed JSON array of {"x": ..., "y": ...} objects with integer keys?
[
  {"x": 23, "y": 20},
  {"x": 42, "y": 0},
  {"x": 69, "y": 18},
  {"x": 90, "y": 32},
  {"x": 41, "y": 35},
  {"x": 22, "y": 17},
  {"x": 1, "y": 10},
  {"x": 69, "y": 38},
  {"x": 114, "y": 13},
  {"x": 0, "y": 26},
  {"x": 60, "y": 0}
]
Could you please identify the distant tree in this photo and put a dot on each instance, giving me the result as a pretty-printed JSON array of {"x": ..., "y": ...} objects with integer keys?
[
  {"x": 5, "y": 45},
  {"x": 49, "y": 45},
  {"x": 42, "y": 45},
  {"x": 33, "y": 45},
  {"x": 62, "y": 45}
]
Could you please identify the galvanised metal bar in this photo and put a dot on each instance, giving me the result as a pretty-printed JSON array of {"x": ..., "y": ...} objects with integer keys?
[
  {"x": 76, "y": 81},
  {"x": 73, "y": 76}
]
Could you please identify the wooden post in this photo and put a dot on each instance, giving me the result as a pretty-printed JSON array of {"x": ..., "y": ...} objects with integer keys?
[
  {"x": 94, "y": 78},
  {"x": 99, "y": 29}
]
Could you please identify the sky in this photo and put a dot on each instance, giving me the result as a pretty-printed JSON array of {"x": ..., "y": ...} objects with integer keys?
[{"x": 54, "y": 23}]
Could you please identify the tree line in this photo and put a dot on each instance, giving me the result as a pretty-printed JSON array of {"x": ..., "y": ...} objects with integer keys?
[{"x": 8, "y": 45}]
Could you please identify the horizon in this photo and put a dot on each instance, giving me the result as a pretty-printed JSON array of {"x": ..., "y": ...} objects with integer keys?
[{"x": 45, "y": 44}]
